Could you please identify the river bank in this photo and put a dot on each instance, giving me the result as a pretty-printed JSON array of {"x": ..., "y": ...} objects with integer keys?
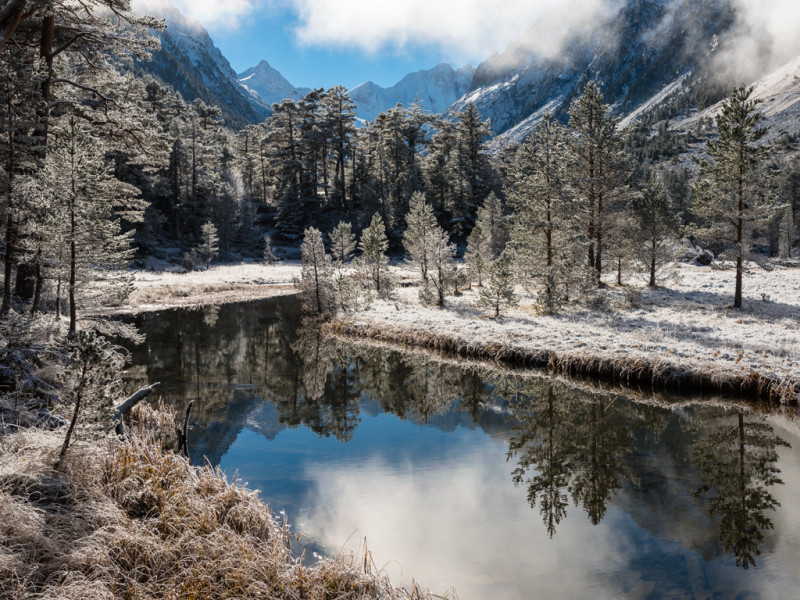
[
  {"x": 131, "y": 519},
  {"x": 219, "y": 284},
  {"x": 681, "y": 338}
]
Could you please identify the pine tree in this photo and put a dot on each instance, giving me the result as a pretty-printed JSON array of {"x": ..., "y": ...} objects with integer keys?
[
  {"x": 316, "y": 285},
  {"x": 727, "y": 195},
  {"x": 208, "y": 248},
  {"x": 94, "y": 382},
  {"x": 269, "y": 254},
  {"x": 544, "y": 223},
  {"x": 655, "y": 229},
  {"x": 343, "y": 242},
  {"x": 77, "y": 178},
  {"x": 477, "y": 255},
  {"x": 500, "y": 291},
  {"x": 442, "y": 266},
  {"x": 373, "y": 260},
  {"x": 600, "y": 170},
  {"x": 492, "y": 222},
  {"x": 420, "y": 234}
]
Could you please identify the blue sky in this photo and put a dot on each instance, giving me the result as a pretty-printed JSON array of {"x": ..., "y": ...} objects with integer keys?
[{"x": 317, "y": 43}]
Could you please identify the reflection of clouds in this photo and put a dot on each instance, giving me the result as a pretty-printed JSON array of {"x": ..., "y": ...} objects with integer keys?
[
  {"x": 461, "y": 524},
  {"x": 463, "y": 527}
]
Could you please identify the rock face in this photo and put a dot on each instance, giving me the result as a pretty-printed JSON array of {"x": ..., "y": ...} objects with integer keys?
[
  {"x": 190, "y": 62},
  {"x": 269, "y": 85},
  {"x": 435, "y": 90},
  {"x": 633, "y": 53}
]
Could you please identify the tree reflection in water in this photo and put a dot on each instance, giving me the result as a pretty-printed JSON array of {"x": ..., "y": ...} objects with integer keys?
[
  {"x": 737, "y": 457},
  {"x": 569, "y": 443},
  {"x": 258, "y": 367}
]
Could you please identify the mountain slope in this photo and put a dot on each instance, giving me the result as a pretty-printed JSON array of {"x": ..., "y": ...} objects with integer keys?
[
  {"x": 190, "y": 62},
  {"x": 268, "y": 84},
  {"x": 634, "y": 54},
  {"x": 435, "y": 90}
]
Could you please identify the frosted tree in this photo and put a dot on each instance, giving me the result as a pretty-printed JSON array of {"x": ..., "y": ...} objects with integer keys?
[
  {"x": 478, "y": 253},
  {"x": 85, "y": 193},
  {"x": 373, "y": 260},
  {"x": 269, "y": 253},
  {"x": 421, "y": 234},
  {"x": 599, "y": 171},
  {"x": 655, "y": 229},
  {"x": 492, "y": 222},
  {"x": 93, "y": 383},
  {"x": 208, "y": 248},
  {"x": 343, "y": 242},
  {"x": 544, "y": 222},
  {"x": 316, "y": 285},
  {"x": 442, "y": 265},
  {"x": 727, "y": 195},
  {"x": 500, "y": 291}
]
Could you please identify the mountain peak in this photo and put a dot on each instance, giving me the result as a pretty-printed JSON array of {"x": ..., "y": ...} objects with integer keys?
[
  {"x": 435, "y": 89},
  {"x": 266, "y": 82}
]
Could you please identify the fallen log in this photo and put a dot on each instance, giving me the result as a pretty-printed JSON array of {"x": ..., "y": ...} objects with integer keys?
[{"x": 126, "y": 406}]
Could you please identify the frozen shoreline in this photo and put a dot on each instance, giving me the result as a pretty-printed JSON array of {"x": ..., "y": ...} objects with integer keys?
[{"x": 683, "y": 328}]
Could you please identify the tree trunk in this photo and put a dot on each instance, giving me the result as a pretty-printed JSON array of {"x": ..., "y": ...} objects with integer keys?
[{"x": 737, "y": 297}]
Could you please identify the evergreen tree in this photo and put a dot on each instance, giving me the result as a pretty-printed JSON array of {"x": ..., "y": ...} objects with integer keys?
[
  {"x": 544, "y": 222},
  {"x": 373, "y": 260},
  {"x": 208, "y": 248},
  {"x": 492, "y": 222},
  {"x": 269, "y": 254},
  {"x": 316, "y": 285},
  {"x": 727, "y": 196},
  {"x": 655, "y": 229},
  {"x": 343, "y": 242},
  {"x": 20, "y": 150},
  {"x": 420, "y": 235},
  {"x": 76, "y": 176},
  {"x": 477, "y": 255},
  {"x": 500, "y": 291},
  {"x": 599, "y": 171},
  {"x": 442, "y": 267}
]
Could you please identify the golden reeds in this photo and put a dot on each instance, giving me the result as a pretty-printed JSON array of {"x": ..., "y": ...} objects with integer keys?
[
  {"x": 629, "y": 371},
  {"x": 126, "y": 519}
]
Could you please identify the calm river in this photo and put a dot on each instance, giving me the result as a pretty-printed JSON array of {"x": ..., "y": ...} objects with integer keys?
[{"x": 500, "y": 486}]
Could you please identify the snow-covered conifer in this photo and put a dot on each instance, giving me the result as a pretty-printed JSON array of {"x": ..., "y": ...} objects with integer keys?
[
  {"x": 373, "y": 260},
  {"x": 316, "y": 285},
  {"x": 208, "y": 248},
  {"x": 421, "y": 234},
  {"x": 727, "y": 195},
  {"x": 500, "y": 291},
  {"x": 343, "y": 242}
]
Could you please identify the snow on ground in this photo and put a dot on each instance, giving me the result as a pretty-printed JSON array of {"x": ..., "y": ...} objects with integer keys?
[
  {"x": 687, "y": 323},
  {"x": 219, "y": 284}
]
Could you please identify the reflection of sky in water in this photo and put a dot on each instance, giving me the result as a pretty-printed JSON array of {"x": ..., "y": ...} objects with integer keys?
[
  {"x": 437, "y": 502},
  {"x": 441, "y": 507}
]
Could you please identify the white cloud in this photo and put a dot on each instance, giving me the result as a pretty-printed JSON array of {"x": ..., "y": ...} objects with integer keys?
[
  {"x": 226, "y": 14},
  {"x": 469, "y": 29}
]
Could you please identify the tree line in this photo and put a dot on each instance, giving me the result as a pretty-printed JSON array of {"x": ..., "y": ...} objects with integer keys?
[{"x": 99, "y": 166}]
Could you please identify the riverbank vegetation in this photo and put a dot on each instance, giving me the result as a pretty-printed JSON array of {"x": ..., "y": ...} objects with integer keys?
[{"x": 130, "y": 519}]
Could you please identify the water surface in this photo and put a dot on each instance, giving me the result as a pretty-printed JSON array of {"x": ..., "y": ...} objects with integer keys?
[{"x": 497, "y": 485}]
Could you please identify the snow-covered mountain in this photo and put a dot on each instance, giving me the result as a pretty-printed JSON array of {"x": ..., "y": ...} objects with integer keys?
[
  {"x": 634, "y": 53},
  {"x": 269, "y": 85},
  {"x": 190, "y": 62},
  {"x": 435, "y": 89}
]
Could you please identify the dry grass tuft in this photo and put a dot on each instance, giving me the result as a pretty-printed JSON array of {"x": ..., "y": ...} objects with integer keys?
[{"x": 125, "y": 519}]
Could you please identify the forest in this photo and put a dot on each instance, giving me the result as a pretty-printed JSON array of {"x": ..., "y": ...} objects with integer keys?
[{"x": 102, "y": 169}]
